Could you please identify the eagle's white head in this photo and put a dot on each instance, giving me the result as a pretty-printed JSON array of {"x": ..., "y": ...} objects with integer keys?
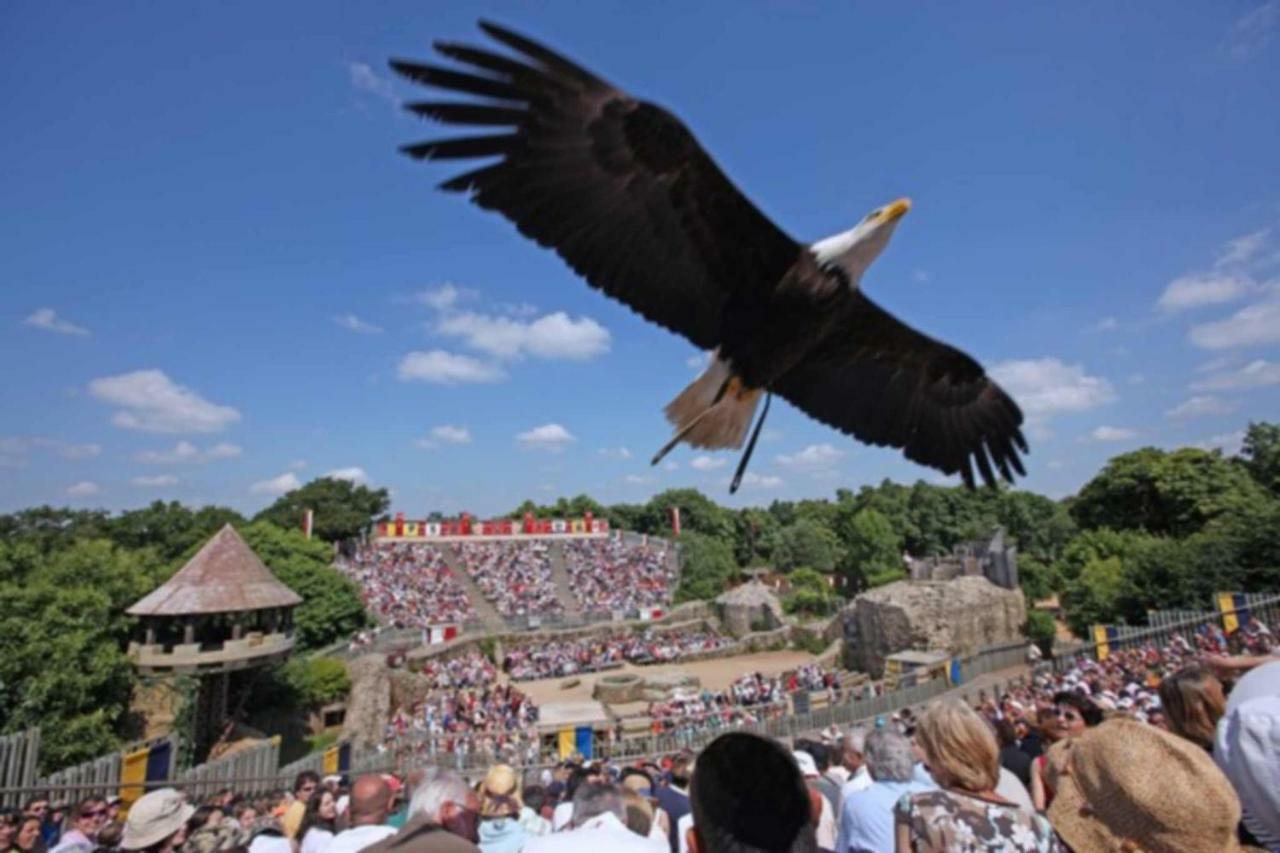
[{"x": 855, "y": 249}]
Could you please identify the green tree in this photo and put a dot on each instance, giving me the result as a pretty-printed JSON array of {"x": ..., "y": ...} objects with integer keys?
[
  {"x": 1038, "y": 579},
  {"x": 698, "y": 513},
  {"x": 755, "y": 536},
  {"x": 342, "y": 508},
  {"x": 708, "y": 566},
  {"x": 1041, "y": 630},
  {"x": 1166, "y": 494},
  {"x": 873, "y": 550},
  {"x": 806, "y": 542},
  {"x": 1095, "y": 597},
  {"x": 810, "y": 593},
  {"x": 331, "y": 607},
  {"x": 170, "y": 529},
  {"x": 1262, "y": 455},
  {"x": 317, "y": 681}
]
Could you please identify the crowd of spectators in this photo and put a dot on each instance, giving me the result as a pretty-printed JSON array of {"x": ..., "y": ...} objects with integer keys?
[
  {"x": 470, "y": 669},
  {"x": 515, "y": 576},
  {"x": 609, "y": 575},
  {"x": 558, "y": 658},
  {"x": 408, "y": 584},
  {"x": 494, "y": 719}
]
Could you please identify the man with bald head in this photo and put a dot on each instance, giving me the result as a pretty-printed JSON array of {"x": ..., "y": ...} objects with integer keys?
[{"x": 367, "y": 814}]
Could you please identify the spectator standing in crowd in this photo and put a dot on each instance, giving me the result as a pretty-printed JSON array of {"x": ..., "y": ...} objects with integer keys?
[
  {"x": 673, "y": 797},
  {"x": 824, "y": 814},
  {"x": 1247, "y": 749},
  {"x": 747, "y": 795},
  {"x": 27, "y": 837},
  {"x": 1070, "y": 715},
  {"x": 319, "y": 822},
  {"x": 367, "y": 816},
  {"x": 853, "y": 745},
  {"x": 1134, "y": 787},
  {"x": 532, "y": 803},
  {"x": 500, "y": 805},
  {"x": 89, "y": 816},
  {"x": 49, "y": 829},
  {"x": 599, "y": 824},
  {"x": 303, "y": 787},
  {"x": 444, "y": 817},
  {"x": 866, "y": 818},
  {"x": 1193, "y": 702},
  {"x": 639, "y": 782},
  {"x": 157, "y": 822},
  {"x": 824, "y": 783},
  {"x": 1012, "y": 759},
  {"x": 965, "y": 812},
  {"x": 8, "y": 829},
  {"x": 207, "y": 832}
]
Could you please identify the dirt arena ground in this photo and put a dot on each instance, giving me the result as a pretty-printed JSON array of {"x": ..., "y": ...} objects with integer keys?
[{"x": 713, "y": 674}]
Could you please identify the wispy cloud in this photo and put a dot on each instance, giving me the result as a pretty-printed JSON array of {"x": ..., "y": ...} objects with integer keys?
[
  {"x": 1230, "y": 443},
  {"x": 446, "y": 368},
  {"x": 185, "y": 451},
  {"x": 156, "y": 482},
  {"x": 1200, "y": 406},
  {"x": 150, "y": 401},
  {"x": 22, "y": 445},
  {"x": 752, "y": 481},
  {"x": 276, "y": 485},
  {"x": 1243, "y": 249},
  {"x": 353, "y": 323},
  {"x": 1196, "y": 290},
  {"x": 1106, "y": 324},
  {"x": 1047, "y": 386},
  {"x": 614, "y": 453},
  {"x": 815, "y": 457},
  {"x": 1256, "y": 374},
  {"x": 1253, "y": 325},
  {"x": 444, "y": 434},
  {"x": 553, "y": 336},
  {"x": 364, "y": 79},
  {"x": 83, "y": 489},
  {"x": 551, "y": 438},
  {"x": 353, "y": 474},
  {"x": 639, "y": 479},
  {"x": 707, "y": 463},
  {"x": 1110, "y": 433},
  {"x": 1252, "y": 32},
  {"x": 48, "y": 319}
]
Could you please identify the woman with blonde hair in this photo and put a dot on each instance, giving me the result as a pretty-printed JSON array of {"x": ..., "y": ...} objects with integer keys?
[
  {"x": 1193, "y": 703},
  {"x": 965, "y": 813},
  {"x": 500, "y": 827}
]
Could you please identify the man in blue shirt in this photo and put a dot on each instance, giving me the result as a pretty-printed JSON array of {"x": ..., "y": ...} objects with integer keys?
[{"x": 866, "y": 817}]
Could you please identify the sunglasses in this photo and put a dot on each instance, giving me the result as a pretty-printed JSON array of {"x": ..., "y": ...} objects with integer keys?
[{"x": 95, "y": 813}]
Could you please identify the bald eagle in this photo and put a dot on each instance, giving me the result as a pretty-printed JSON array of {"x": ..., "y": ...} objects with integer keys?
[{"x": 623, "y": 192}]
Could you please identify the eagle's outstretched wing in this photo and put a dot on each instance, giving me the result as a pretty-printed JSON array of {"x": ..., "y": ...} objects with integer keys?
[
  {"x": 884, "y": 383},
  {"x": 618, "y": 187}
]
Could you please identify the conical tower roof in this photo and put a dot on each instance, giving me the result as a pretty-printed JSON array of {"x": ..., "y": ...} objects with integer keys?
[{"x": 224, "y": 576}]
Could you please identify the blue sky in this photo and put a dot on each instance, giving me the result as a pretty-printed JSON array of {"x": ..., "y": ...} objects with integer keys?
[{"x": 217, "y": 276}]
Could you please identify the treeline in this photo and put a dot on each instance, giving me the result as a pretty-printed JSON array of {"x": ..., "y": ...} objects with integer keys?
[{"x": 66, "y": 577}]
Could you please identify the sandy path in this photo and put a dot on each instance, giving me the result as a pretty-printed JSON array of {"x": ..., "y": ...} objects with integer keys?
[{"x": 714, "y": 674}]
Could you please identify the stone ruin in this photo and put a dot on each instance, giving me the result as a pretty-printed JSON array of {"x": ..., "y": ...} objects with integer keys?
[{"x": 961, "y": 616}]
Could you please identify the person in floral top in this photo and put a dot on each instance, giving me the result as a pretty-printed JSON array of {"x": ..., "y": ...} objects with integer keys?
[{"x": 965, "y": 814}]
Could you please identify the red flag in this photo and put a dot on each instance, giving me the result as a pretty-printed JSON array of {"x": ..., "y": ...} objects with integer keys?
[{"x": 675, "y": 521}]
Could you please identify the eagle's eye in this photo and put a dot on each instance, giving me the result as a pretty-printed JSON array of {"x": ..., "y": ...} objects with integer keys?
[{"x": 872, "y": 215}]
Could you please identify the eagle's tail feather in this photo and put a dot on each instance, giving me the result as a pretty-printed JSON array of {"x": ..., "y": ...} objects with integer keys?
[{"x": 713, "y": 412}]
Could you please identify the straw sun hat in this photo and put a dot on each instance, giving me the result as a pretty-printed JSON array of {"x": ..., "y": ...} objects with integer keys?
[
  {"x": 1125, "y": 785},
  {"x": 154, "y": 817},
  {"x": 500, "y": 793}
]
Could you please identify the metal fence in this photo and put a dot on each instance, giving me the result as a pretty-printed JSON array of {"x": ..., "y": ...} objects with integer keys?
[{"x": 260, "y": 761}]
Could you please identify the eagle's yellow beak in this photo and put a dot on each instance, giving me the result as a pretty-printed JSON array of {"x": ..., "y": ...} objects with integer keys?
[{"x": 896, "y": 210}]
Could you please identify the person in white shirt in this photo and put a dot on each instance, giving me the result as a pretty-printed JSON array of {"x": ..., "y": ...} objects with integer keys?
[
  {"x": 855, "y": 744},
  {"x": 598, "y": 825},
  {"x": 369, "y": 809}
]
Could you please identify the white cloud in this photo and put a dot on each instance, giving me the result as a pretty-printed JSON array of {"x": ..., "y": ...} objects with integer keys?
[
  {"x": 1199, "y": 289},
  {"x": 1055, "y": 464},
  {"x": 815, "y": 456},
  {"x": 355, "y": 324},
  {"x": 1251, "y": 32},
  {"x": 48, "y": 319},
  {"x": 920, "y": 275},
  {"x": 1243, "y": 249},
  {"x": 707, "y": 463},
  {"x": 446, "y": 368},
  {"x": 298, "y": 464},
  {"x": 670, "y": 465},
  {"x": 353, "y": 474},
  {"x": 151, "y": 402},
  {"x": 1045, "y": 386},
  {"x": 19, "y": 446},
  {"x": 1252, "y": 325},
  {"x": 155, "y": 482},
  {"x": 1230, "y": 443},
  {"x": 1256, "y": 374},
  {"x": 185, "y": 451},
  {"x": 364, "y": 79},
  {"x": 277, "y": 485},
  {"x": 639, "y": 479},
  {"x": 614, "y": 453},
  {"x": 1213, "y": 365},
  {"x": 771, "y": 435},
  {"x": 83, "y": 489},
  {"x": 1195, "y": 407},
  {"x": 1137, "y": 378},
  {"x": 552, "y": 438},
  {"x": 553, "y": 336},
  {"x": 698, "y": 362},
  {"x": 444, "y": 434},
  {"x": 751, "y": 480},
  {"x": 443, "y": 297},
  {"x": 1110, "y": 433},
  {"x": 1106, "y": 324}
]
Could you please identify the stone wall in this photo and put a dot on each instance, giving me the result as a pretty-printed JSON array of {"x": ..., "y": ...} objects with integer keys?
[{"x": 960, "y": 615}]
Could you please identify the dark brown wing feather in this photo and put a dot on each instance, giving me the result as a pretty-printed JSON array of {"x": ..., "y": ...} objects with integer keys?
[
  {"x": 884, "y": 383},
  {"x": 619, "y": 188}
]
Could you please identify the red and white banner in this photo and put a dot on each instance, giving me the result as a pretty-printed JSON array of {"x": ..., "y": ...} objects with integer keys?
[
  {"x": 650, "y": 612},
  {"x": 675, "y": 521},
  {"x": 439, "y": 634},
  {"x": 308, "y": 522}
]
